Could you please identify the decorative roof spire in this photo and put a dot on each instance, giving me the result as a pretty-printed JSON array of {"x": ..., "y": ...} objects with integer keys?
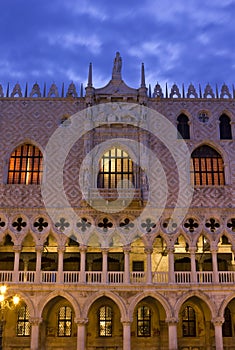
[
  {"x": 81, "y": 90},
  {"x": 142, "y": 76},
  {"x": 26, "y": 90},
  {"x": 117, "y": 67},
  {"x": 150, "y": 91},
  {"x": 90, "y": 76}
]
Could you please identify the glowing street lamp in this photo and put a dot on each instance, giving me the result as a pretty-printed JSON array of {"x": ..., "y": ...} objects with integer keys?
[{"x": 5, "y": 303}]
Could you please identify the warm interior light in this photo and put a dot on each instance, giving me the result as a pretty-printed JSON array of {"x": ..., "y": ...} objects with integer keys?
[
  {"x": 3, "y": 289},
  {"x": 16, "y": 300},
  {"x": 1, "y": 298}
]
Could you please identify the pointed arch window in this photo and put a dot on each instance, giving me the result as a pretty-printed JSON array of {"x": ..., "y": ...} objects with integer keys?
[
  {"x": 23, "y": 327},
  {"x": 207, "y": 167},
  {"x": 25, "y": 165},
  {"x": 65, "y": 322},
  {"x": 188, "y": 322},
  {"x": 227, "y": 325},
  {"x": 225, "y": 127},
  {"x": 183, "y": 127},
  {"x": 116, "y": 166},
  {"x": 143, "y": 321},
  {"x": 105, "y": 321}
]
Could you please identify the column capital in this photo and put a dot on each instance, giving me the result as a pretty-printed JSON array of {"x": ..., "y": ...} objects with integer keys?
[
  {"x": 126, "y": 322},
  {"x": 192, "y": 250},
  {"x": 35, "y": 321},
  {"x": 104, "y": 250},
  {"x": 213, "y": 247},
  {"x": 81, "y": 321},
  {"x": 39, "y": 248},
  {"x": 16, "y": 248},
  {"x": 148, "y": 250},
  {"x": 61, "y": 249},
  {"x": 127, "y": 249},
  {"x": 172, "y": 320},
  {"x": 83, "y": 248},
  {"x": 217, "y": 321},
  {"x": 170, "y": 249}
]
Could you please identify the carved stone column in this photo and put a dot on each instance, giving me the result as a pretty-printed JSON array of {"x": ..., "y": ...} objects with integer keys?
[
  {"x": 61, "y": 250},
  {"x": 192, "y": 251},
  {"x": 170, "y": 251},
  {"x": 83, "y": 250},
  {"x": 35, "y": 326},
  {"x": 214, "y": 263},
  {"x": 126, "y": 335},
  {"x": 39, "y": 250},
  {"x": 104, "y": 265},
  {"x": 172, "y": 333},
  {"x": 17, "y": 250},
  {"x": 81, "y": 333},
  {"x": 127, "y": 250},
  {"x": 218, "y": 321},
  {"x": 149, "y": 252}
]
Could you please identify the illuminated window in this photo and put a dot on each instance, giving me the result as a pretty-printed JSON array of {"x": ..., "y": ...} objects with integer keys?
[
  {"x": 65, "y": 322},
  {"x": 207, "y": 167},
  {"x": 144, "y": 321},
  {"x": 23, "y": 325},
  {"x": 189, "y": 322},
  {"x": 225, "y": 127},
  {"x": 105, "y": 321},
  {"x": 227, "y": 325},
  {"x": 115, "y": 166},
  {"x": 183, "y": 127},
  {"x": 25, "y": 166}
]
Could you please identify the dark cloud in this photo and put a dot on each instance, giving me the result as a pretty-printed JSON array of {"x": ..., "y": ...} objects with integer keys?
[{"x": 54, "y": 41}]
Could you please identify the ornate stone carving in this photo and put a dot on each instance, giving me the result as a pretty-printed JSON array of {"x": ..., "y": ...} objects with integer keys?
[{"x": 16, "y": 91}]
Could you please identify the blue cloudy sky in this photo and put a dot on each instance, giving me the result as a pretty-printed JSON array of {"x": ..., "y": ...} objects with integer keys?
[{"x": 178, "y": 41}]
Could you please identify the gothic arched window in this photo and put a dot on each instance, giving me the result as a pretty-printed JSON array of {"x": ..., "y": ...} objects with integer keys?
[
  {"x": 23, "y": 325},
  {"x": 207, "y": 167},
  {"x": 183, "y": 127},
  {"x": 25, "y": 165},
  {"x": 225, "y": 127},
  {"x": 188, "y": 322},
  {"x": 105, "y": 321},
  {"x": 115, "y": 167},
  {"x": 143, "y": 321},
  {"x": 65, "y": 322},
  {"x": 227, "y": 325}
]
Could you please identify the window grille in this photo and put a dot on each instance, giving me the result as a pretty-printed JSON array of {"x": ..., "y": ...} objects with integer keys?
[
  {"x": 105, "y": 321},
  {"x": 189, "y": 322},
  {"x": 25, "y": 166},
  {"x": 115, "y": 167},
  {"x": 65, "y": 322},
  {"x": 23, "y": 327},
  {"x": 207, "y": 167},
  {"x": 144, "y": 321}
]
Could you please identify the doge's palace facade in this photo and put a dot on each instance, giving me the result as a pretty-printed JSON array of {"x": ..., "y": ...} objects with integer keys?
[{"x": 117, "y": 216}]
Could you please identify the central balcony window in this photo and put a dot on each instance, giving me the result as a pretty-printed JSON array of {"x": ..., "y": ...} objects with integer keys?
[{"x": 116, "y": 170}]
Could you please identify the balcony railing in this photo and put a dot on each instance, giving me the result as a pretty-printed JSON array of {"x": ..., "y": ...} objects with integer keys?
[{"x": 115, "y": 277}]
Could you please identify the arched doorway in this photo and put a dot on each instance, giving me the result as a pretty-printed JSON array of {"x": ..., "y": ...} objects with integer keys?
[
  {"x": 149, "y": 329},
  {"x": 104, "y": 328},
  {"x": 58, "y": 329},
  {"x": 194, "y": 327}
]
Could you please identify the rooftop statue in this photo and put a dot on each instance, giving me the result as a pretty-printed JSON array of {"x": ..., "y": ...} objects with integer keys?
[{"x": 117, "y": 67}]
